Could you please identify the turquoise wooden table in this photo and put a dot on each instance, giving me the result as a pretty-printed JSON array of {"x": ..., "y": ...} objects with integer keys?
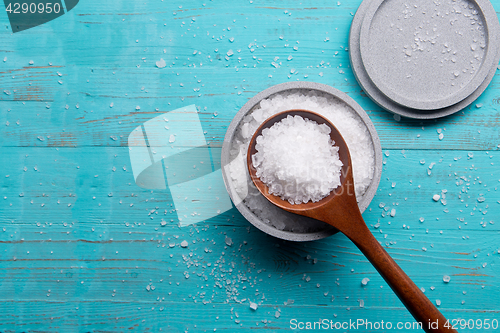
[{"x": 84, "y": 249}]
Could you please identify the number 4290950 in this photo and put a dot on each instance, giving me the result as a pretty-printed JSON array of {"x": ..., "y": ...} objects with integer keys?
[
  {"x": 32, "y": 8},
  {"x": 486, "y": 324}
]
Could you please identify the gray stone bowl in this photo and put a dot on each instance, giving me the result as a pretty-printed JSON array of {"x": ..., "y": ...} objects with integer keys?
[{"x": 320, "y": 230}]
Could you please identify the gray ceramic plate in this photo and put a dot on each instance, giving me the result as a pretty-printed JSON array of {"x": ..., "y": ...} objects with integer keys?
[
  {"x": 425, "y": 55},
  {"x": 322, "y": 230},
  {"x": 378, "y": 97}
]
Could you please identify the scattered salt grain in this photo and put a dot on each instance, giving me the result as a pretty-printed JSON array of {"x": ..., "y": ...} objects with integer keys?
[
  {"x": 436, "y": 197},
  {"x": 172, "y": 138},
  {"x": 229, "y": 241},
  {"x": 446, "y": 279},
  {"x": 296, "y": 159},
  {"x": 438, "y": 302},
  {"x": 253, "y": 306},
  {"x": 365, "y": 281},
  {"x": 184, "y": 243},
  {"x": 161, "y": 63}
]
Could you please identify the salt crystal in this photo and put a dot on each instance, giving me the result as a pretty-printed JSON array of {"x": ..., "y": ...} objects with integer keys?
[
  {"x": 253, "y": 306},
  {"x": 446, "y": 279},
  {"x": 229, "y": 241},
  {"x": 172, "y": 138},
  {"x": 436, "y": 197},
  {"x": 438, "y": 302},
  {"x": 161, "y": 63},
  {"x": 365, "y": 281},
  {"x": 184, "y": 243}
]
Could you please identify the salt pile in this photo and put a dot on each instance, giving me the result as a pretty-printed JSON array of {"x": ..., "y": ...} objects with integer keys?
[
  {"x": 345, "y": 119},
  {"x": 297, "y": 160}
]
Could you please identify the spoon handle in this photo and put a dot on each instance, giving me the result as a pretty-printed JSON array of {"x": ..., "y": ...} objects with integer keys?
[{"x": 412, "y": 297}]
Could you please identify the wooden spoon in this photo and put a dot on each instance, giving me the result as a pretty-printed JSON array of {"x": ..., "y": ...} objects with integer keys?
[{"x": 340, "y": 209}]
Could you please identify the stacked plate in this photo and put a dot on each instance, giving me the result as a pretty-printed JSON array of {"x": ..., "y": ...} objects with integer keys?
[{"x": 424, "y": 59}]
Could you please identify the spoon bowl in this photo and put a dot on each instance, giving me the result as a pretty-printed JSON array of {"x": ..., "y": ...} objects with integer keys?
[
  {"x": 340, "y": 209},
  {"x": 344, "y": 156}
]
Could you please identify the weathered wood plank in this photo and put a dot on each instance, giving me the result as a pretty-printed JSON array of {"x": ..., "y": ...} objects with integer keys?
[
  {"x": 90, "y": 121},
  {"x": 116, "y": 261}
]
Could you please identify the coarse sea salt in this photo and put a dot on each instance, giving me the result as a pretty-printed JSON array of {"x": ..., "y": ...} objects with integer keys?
[
  {"x": 345, "y": 119},
  {"x": 297, "y": 160}
]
